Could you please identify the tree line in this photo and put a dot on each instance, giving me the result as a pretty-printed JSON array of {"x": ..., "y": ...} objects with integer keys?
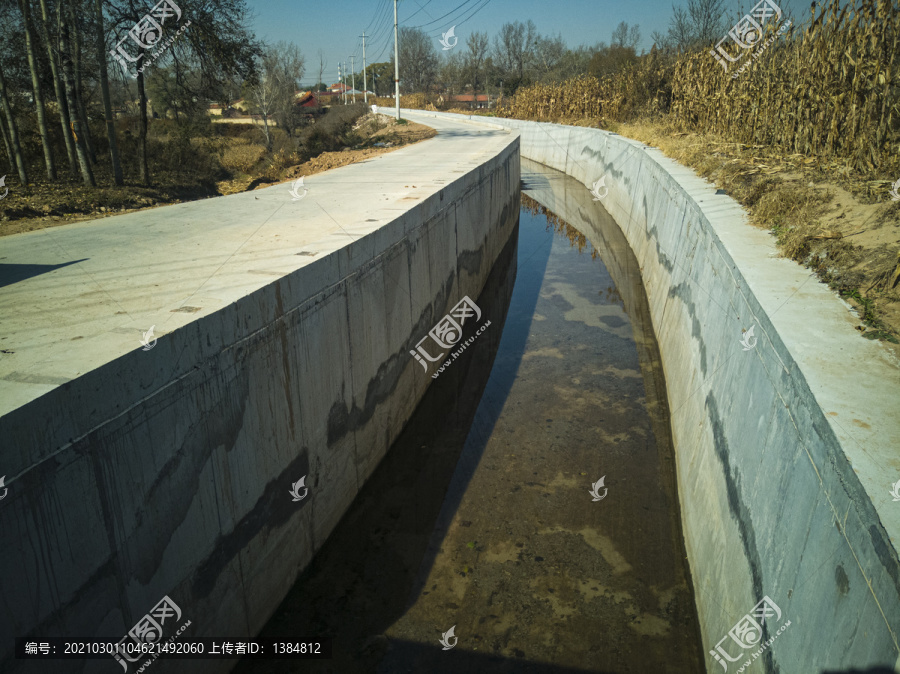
[
  {"x": 65, "y": 65},
  {"x": 66, "y": 62},
  {"x": 519, "y": 55}
]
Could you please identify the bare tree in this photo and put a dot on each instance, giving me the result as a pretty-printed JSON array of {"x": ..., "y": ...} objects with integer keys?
[
  {"x": 69, "y": 79},
  {"x": 37, "y": 89},
  {"x": 699, "y": 25},
  {"x": 549, "y": 53},
  {"x": 706, "y": 20},
  {"x": 323, "y": 63},
  {"x": 513, "y": 49},
  {"x": 104, "y": 90},
  {"x": 13, "y": 129},
  {"x": 453, "y": 74},
  {"x": 76, "y": 51},
  {"x": 9, "y": 150},
  {"x": 65, "y": 122},
  {"x": 623, "y": 36},
  {"x": 479, "y": 45},
  {"x": 274, "y": 91},
  {"x": 418, "y": 60},
  {"x": 289, "y": 68}
]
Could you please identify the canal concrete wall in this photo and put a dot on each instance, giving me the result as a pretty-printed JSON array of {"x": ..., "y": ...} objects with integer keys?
[
  {"x": 785, "y": 437},
  {"x": 169, "y": 472}
]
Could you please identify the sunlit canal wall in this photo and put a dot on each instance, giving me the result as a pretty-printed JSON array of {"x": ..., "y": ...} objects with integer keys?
[
  {"x": 785, "y": 437},
  {"x": 170, "y": 473}
]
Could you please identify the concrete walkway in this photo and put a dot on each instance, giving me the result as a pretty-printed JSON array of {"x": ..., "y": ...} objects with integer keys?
[{"x": 75, "y": 297}]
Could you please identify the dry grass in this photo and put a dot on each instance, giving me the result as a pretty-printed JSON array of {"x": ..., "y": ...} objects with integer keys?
[
  {"x": 833, "y": 225},
  {"x": 240, "y": 155}
]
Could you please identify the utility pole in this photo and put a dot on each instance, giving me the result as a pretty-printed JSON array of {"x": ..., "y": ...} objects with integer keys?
[
  {"x": 353, "y": 76},
  {"x": 340, "y": 88},
  {"x": 396, "y": 61},
  {"x": 365, "y": 75}
]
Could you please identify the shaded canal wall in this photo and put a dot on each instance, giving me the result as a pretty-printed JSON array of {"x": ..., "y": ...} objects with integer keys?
[
  {"x": 169, "y": 472},
  {"x": 785, "y": 444}
]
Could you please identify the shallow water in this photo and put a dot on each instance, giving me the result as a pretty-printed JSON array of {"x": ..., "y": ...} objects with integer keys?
[{"x": 481, "y": 517}]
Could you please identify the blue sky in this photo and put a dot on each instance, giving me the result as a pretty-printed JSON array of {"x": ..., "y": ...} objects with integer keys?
[{"x": 335, "y": 26}]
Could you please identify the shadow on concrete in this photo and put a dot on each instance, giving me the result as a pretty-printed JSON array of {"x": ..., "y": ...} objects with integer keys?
[
  {"x": 360, "y": 582},
  {"x": 13, "y": 273}
]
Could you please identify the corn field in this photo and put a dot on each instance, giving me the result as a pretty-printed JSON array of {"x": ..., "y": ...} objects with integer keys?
[
  {"x": 828, "y": 89},
  {"x": 411, "y": 101}
]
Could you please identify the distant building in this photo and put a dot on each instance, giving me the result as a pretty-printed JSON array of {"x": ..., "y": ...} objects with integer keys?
[{"x": 472, "y": 101}]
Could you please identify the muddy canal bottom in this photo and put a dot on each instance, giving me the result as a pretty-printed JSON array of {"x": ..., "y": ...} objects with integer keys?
[{"x": 482, "y": 519}]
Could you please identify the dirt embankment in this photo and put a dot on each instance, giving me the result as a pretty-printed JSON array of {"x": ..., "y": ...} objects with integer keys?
[
  {"x": 44, "y": 204},
  {"x": 824, "y": 216},
  {"x": 378, "y": 134}
]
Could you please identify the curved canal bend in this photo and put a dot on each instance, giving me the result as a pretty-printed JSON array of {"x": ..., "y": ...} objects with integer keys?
[{"x": 481, "y": 517}]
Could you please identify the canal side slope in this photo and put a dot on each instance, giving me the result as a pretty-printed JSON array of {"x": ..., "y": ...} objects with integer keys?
[
  {"x": 785, "y": 421},
  {"x": 283, "y": 323}
]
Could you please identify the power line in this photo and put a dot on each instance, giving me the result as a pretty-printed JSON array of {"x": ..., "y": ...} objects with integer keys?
[
  {"x": 452, "y": 11},
  {"x": 384, "y": 24},
  {"x": 421, "y": 9},
  {"x": 384, "y": 3},
  {"x": 383, "y": 44},
  {"x": 460, "y": 22}
]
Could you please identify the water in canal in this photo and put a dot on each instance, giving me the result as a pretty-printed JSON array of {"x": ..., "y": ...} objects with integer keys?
[{"x": 481, "y": 517}]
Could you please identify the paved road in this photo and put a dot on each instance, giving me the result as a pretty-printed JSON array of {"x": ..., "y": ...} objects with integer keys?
[{"x": 75, "y": 297}]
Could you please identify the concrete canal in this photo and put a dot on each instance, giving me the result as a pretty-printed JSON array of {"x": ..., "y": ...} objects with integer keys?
[{"x": 481, "y": 517}]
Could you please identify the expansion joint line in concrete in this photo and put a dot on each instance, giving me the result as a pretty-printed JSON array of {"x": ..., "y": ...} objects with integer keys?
[
  {"x": 351, "y": 394},
  {"x": 71, "y": 443},
  {"x": 836, "y": 517}
]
